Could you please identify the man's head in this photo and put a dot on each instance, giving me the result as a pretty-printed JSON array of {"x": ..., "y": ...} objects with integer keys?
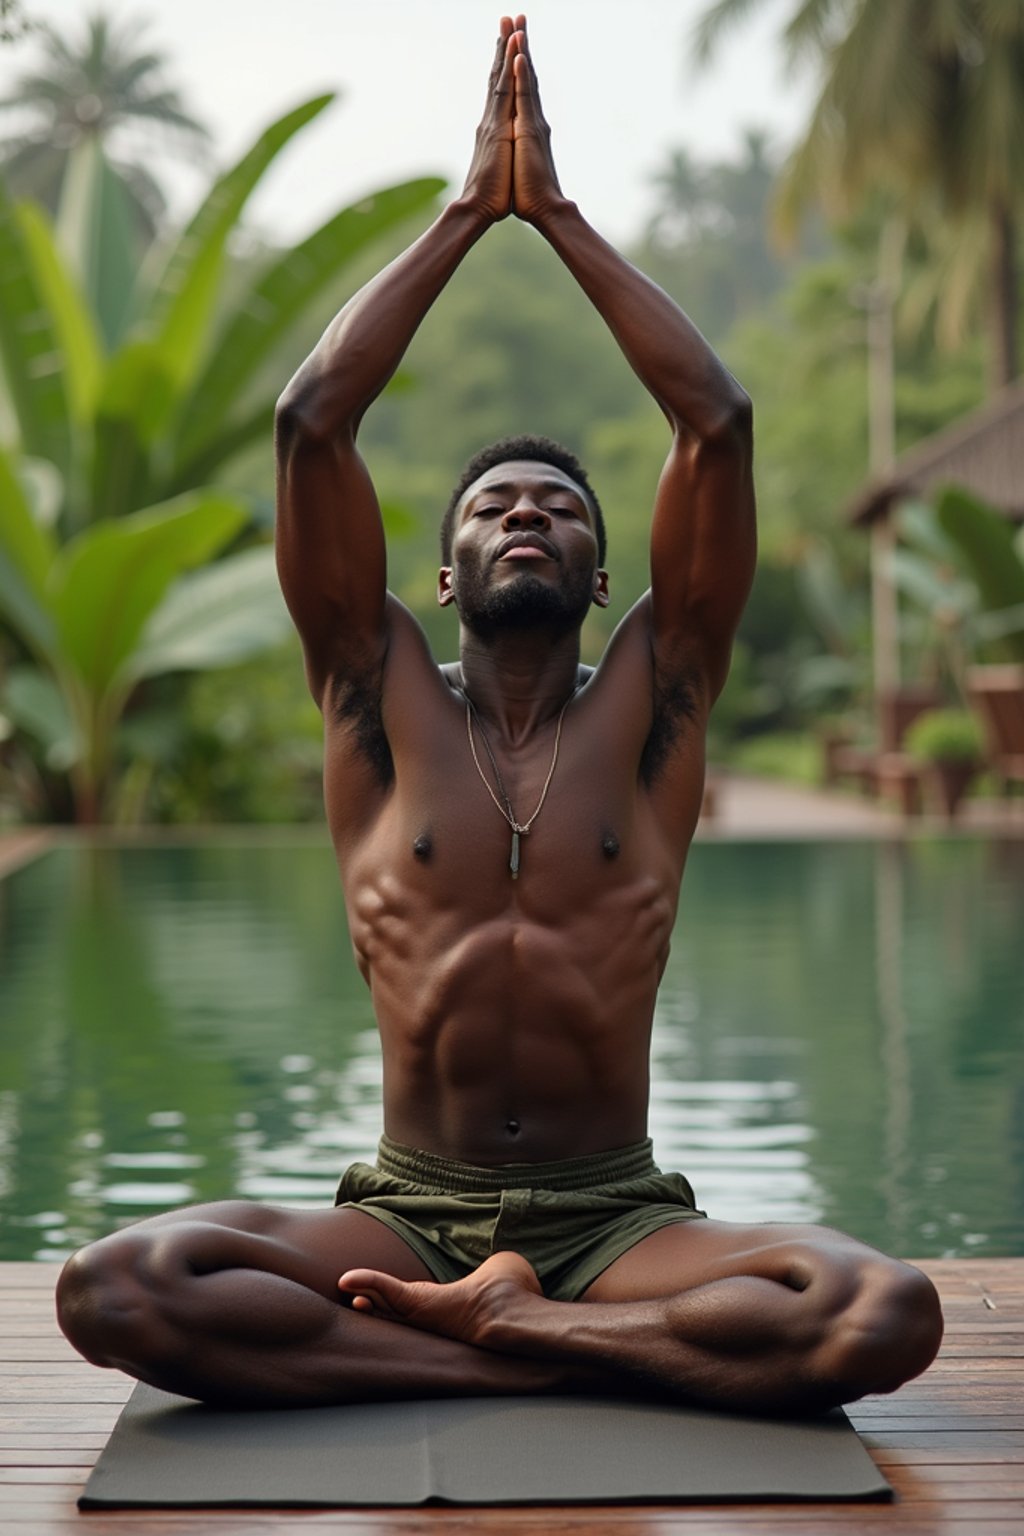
[
  {"x": 523, "y": 540},
  {"x": 540, "y": 450}
]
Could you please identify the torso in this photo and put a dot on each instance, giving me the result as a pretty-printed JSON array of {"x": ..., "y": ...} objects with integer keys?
[{"x": 514, "y": 1014}]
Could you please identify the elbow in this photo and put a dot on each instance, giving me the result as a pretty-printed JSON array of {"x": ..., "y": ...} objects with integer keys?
[
  {"x": 313, "y": 411},
  {"x": 731, "y": 423},
  {"x": 725, "y": 422}
]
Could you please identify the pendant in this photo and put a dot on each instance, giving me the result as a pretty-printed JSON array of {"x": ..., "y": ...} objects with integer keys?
[{"x": 513, "y": 862}]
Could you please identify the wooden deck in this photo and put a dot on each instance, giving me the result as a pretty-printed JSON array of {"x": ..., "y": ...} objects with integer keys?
[{"x": 952, "y": 1443}]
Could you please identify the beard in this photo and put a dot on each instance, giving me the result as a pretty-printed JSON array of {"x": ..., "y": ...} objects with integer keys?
[{"x": 526, "y": 602}]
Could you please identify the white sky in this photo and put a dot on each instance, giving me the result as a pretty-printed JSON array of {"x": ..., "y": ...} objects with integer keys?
[{"x": 616, "y": 84}]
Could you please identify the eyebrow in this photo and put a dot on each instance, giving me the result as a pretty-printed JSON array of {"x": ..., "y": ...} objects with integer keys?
[{"x": 502, "y": 488}]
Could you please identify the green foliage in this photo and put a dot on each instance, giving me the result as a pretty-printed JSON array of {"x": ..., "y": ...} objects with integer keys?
[
  {"x": 125, "y": 431},
  {"x": 791, "y": 755},
  {"x": 990, "y": 552},
  {"x": 922, "y": 105},
  {"x": 244, "y": 745},
  {"x": 944, "y": 736}
]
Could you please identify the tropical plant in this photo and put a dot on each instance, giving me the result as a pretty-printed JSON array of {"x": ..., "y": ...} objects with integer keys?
[
  {"x": 925, "y": 100},
  {"x": 104, "y": 499},
  {"x": 961, "y": 565},
  {"x": 102, "y": 86},
  {"x": 945, "y": 736}
]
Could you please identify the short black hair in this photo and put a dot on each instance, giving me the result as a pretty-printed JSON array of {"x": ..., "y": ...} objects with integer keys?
[{"x": 544, "y": 450}]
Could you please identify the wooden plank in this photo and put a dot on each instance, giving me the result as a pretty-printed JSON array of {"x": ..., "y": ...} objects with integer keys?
[{"x": 952, "y": 1442}]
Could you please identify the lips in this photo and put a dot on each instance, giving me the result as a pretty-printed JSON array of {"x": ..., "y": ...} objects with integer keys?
[{"x": 526, "y": 546}]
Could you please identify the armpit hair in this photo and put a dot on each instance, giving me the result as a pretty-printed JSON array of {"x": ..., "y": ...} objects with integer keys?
[
  {"x": 356, "y": 702},
  {"x": 675, "y": 702}
]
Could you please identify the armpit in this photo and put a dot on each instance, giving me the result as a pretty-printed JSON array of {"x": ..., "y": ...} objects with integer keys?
[
  {"x": 356, "y": 706},
  {"x": 675, "y": 705}
]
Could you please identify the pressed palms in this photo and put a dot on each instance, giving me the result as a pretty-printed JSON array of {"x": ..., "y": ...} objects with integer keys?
[{"x": 103, "y": 85}]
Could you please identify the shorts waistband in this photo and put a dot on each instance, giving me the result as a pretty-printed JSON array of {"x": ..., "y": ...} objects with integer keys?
[{"x": 447, "y": 1176}]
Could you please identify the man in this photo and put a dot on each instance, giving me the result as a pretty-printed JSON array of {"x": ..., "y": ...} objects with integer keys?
[{"x": 511, "y": 834}]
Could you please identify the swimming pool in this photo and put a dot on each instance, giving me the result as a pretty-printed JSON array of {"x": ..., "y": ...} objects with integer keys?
[{"x": 840, "y": 1037}]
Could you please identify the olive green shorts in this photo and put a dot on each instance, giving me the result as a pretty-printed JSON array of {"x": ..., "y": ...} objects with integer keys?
[{"x": 569, "y": 1219}]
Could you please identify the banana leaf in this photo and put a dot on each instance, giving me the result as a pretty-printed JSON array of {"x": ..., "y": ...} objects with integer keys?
[
  {"x": 73, "y": 324},
  {"x": 108, "y": 580},
  {"x": 27, "y": 552},
  {"x": 182, "y": 306},
  {"x": 270, "y": 307},
  {"x": 33, "y": 359},
  {"x": 134, "y": 399},
  {"x": 215, "y": 617},
  {"x": 95, "y": 234},
  {"x": 35, "y": 704},
  {"x": 987, "y": 544}
]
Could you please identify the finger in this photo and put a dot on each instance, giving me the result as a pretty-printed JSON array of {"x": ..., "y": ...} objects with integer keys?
[
  {"x": 505, "y": 30},
  {"x": 525, "y": 77}
]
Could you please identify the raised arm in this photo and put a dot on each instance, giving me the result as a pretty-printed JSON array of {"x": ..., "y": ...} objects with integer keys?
[
  {"x": 330, "y": 539},
  {"x": 703, "y": 539}
]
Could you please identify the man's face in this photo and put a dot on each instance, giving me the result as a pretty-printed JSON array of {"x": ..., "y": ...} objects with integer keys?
[{"x": 524, "y": 551}]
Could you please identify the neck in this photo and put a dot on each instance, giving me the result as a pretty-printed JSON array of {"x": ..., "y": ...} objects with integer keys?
[{"x": 518, "y": 682}]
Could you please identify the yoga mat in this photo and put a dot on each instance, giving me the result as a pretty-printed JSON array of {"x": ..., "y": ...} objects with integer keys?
[{"x": 167, "y": 1451}]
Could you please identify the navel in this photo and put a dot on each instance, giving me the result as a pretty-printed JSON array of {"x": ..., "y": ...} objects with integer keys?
[
  {"x": 610, "y": 845},
  {"x": 512, "y": 1127},
  {"x": 422, "y": 846}
]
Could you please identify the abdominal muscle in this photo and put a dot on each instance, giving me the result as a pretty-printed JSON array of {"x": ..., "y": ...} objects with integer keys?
[{"x": 513, "y": 1032}]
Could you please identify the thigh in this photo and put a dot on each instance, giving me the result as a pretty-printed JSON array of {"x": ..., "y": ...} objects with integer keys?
[
  {"x": 312, "y": 1247},
  {"x": 687, "y": 1254}
]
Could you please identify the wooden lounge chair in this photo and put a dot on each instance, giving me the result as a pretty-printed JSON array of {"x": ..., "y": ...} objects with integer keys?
[
  {"x": 997, "y": 696},
  {"x": 887, "y": 769}
]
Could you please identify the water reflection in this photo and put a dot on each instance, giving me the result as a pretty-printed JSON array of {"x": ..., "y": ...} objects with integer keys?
[{"x": 838, "y": 1038}]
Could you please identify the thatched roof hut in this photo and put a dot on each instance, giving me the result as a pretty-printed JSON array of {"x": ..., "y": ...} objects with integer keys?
[{"x": 984, "y": 452}]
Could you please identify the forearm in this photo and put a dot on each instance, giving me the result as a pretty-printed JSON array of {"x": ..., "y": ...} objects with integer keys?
[
  {"x": 665, "y": 349},
  {"x": 364, "y": 344}
]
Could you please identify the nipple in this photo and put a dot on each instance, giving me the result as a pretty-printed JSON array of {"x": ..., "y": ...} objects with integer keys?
[
  {"x": 610, "y": 845},
  {"x": 422, "y": 846}
]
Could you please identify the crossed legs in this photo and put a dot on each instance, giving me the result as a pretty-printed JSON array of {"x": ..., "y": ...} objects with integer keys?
[{"x": 238, "y": 1303}]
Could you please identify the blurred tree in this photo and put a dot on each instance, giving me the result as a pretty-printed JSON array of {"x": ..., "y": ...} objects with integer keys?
[
  {"x": 14, "y": 24},
  {"x": 102, "y": 87},
  {"x": 707, "y": 241},
  {"x": 925, "y": 100}
]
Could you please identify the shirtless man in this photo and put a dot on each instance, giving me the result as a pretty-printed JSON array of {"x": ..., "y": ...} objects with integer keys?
[{"x": 515, "y": 1236}]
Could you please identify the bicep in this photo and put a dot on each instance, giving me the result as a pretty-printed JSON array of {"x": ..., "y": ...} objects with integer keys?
[
  {"x": 703, "y": 550},
  {"x": 331, "y": 553}
]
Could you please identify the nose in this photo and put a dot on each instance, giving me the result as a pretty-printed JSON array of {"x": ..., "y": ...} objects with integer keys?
[{"x": 525, "y": 515}]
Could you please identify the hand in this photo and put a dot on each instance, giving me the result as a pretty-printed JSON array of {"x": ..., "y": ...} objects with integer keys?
[
  {"x": 535, "y": 188},
  {"x": 489, "y": 178}
]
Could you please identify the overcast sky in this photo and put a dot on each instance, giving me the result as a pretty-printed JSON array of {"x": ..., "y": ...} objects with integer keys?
[{"x": 617, "y": 87}]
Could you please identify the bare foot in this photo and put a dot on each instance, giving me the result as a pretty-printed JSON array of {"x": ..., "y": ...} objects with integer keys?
[{"x": 470, "y": 1309}]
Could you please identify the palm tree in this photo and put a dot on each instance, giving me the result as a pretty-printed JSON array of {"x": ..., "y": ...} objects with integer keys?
[
  {"x": 923, "y": 98},
  {"x": 101, "y": 86},
  {"x": 14, "y": 24},
  {"x": 680, "y": 185}
]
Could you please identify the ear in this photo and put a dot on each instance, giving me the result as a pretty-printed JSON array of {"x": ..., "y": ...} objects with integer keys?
[
  {"x": 601, "y": 598},
  {"x": 445, "y": 590}
]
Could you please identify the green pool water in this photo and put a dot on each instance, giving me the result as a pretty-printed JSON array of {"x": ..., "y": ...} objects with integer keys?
[{"x": 840, "y": 1038}]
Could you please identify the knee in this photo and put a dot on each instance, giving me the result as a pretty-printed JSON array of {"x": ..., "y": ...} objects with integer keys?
[
  {"x": 889, "y": 1333},
  {"x": 105, "y": 1306}
]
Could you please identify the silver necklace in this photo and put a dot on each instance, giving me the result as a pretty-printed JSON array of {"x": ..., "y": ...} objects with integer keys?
[{"x": 519, "y": 828}]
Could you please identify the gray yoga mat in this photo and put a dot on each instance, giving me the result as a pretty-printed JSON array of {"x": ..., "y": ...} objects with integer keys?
[{"x": 166, "y": 1451}]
